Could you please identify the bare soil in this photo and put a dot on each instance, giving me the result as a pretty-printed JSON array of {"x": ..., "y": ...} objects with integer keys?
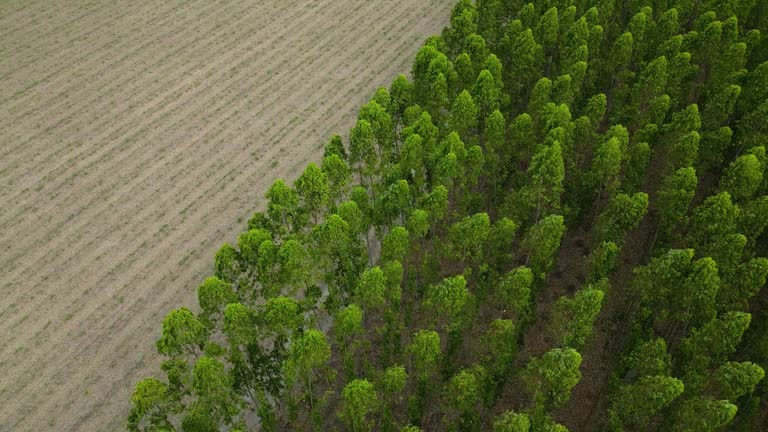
[{"x": 134, "y": 141}]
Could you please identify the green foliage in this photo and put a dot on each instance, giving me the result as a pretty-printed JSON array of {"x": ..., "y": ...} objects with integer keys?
[
  {"x": 637, "y": 403},
  {"x": 547, "y": 173},
  {"x": 151, "y": 406},
  {"x": 650, "y": 358},
  {"x": 395, "y": 245},
  {"x": 371, "y": 291},
  {"x": 541, "y": 95},
  {"x": 292, "y": 260},
  {"x": 359, "y": 399},
  {"x": 656, "y": 280},
  {"x": 469, "y": 237},
  {"x": 335, "y": 147},
  {"x": 615, "y": 109},
  {"x": 704, "y": 415},
  {"x": 753, "y": 218},
  {"x": 400, "y": 97},
  {"x": 712, "y": 219},
  {"x": 448, "y": 297},
  {"x": 464, "y": 390},
  {"x": 281, "y": 315},
  {"x": 606, "y": 165},
  {"x": 502, "y": 238},
  {"x": 673, "y": 199},
  {"x": 733, "y": 379},
  {"x": 695, "y": 300},
  {"x": 743, "y": 177},
  {"x": 362, "y": 151},
  {"x": 573, "y": 317},
  {"x": 510, "y": 421},
  {"x": 381, "y": 123},
  {"x": 418, "y": 223},
  {"x": 623, "y": 214},
  {"x": 307, "y": 351},
  {"x": 436, "y": 203},
  {"x": 501, "y": 343},
  {"x": 225, "y": 263},
  {"x": 239, "y": 324},
  {"x": 250, "y": 243},
  {"x": 212, "y": 295},
  {"x": 213, "y": 387},
  {"x": 337, "y": 173},
  {"x": 394, "y": 379},
  {"x": 350, "y": 212},
  {"x": 748, "y": 279},
  {"x": 552, "y": 376},
  {"x": 486, "y": 93},
  {"x": 602, "y": 261},
  {"x": 182, "y": 333},
  {"x": 425, "y": 352},
  {"x": 514, "y": 290},
  {"x": 282, "y": 207},
  {"x": 464, "y": 114},
  {"x": 542, "y": 242},
  {"x": 715, "y": 340},
  {"x": 348, "y": 322}
]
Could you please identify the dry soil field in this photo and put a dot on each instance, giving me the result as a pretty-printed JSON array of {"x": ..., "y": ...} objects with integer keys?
[{"x": 136, "y": 138}]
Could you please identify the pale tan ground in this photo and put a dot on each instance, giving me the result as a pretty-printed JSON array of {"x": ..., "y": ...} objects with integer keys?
[{"x": 137, "y": 137}]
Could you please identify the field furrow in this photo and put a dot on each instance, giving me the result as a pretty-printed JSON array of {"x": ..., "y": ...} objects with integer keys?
[
  {"x": 178, "y": 191},
  {"x": 180, "y": 169},
  {"x": 137, "y": 172}
]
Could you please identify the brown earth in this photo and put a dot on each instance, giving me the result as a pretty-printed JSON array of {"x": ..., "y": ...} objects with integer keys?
[{"x": 134, "y": 141}]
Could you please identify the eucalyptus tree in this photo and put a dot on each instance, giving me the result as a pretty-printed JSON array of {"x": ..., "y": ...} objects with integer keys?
[
  {"x": 359, "y": 400},
  {"x": 542, "y": 242},
  {"x": 308, "y": 353},
  {"x": 638, "y": 403},
  {"x": 552, "y": 376}
]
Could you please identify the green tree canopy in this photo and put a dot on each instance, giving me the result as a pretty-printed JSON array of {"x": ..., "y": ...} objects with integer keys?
[
  {"x": 743, "y": 177},
  {"x": 371, "y": 291},
  {"x": 348, "y": 322},
  {"x": 213, "y": 387},
  {"x": 673, "y": 199},
  {"x": 337, "y": 173},
  {"x": 510, "y": 421},
  {"x": 212, "y": 295},
  {"x": 547, "y": 173},
  {"x": 281, "y": 315},
  {"x": 542, "y": 241},
  {"x": 182, "y": 333},
  {"x": 359, "y": 399},
  {"x": 283, "y": 203},
  {"x": 464, "y": 390},
  {"x": 704, "y": 415},
  {"x": 425, "y": 352},
  {"x": 394, "y": 379},
  {"x": 650, "y": 358},
  {"x": 637, "y": 403},
  {"x": 395, "y": 245},
  {"x": 553, "y": 375},
  {"x": 151, "y": 406},
  {"x": 464, "y": 114},
  {"x": 623, "y": 214},
  {"x": 448, "y": 297},
  {"x": 735, "y": 379},
  {"x": 469, "y": 237},
  {"x": 573, "y": 317}
]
